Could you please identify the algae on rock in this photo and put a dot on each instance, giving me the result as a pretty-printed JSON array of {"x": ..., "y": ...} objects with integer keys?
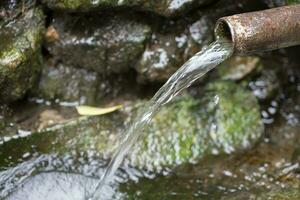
[{"x": 20, "y": 54}]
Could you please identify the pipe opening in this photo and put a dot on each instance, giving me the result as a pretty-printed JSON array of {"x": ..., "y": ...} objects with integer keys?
[{"x": 223, "y": 30}]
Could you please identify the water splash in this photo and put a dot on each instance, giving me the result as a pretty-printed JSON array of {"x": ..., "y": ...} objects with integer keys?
[{"x": 191, "y": 71}]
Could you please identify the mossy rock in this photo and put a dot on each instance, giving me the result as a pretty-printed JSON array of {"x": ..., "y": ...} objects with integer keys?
[
  {"x": 189, "y": 129},
  {"x": 20, "y": 54}
]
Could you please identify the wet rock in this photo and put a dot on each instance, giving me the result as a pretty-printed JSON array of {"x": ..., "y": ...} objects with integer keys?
[
  {"x": 12, "y": 9},
  {"x": 175, "y": 41},
  {"x": 63, "y": 83},
  {"x": 265, "y": 84},
  {"x": 117, "y": 89},
  {"x": 163, "y": 7},
  {"x": 263, "y": 76},
  {"x": 187, "y": 130},
  {"x": 161, "y": 58},
  {"x": 100, "y": 43},
  {"x": 237, "y": 67},
  {"x": 20, "y": 54},
  {"x": 200, "y": 34},
  {"x": 167, "y": 52}
]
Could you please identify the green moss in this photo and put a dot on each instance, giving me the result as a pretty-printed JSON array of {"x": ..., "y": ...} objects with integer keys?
[
  {"x": 237, "y": 116},
  {"x": 288, "y": 194},
  {"x": 20, "y": 56},
  {"x": 291, "y": 2}
]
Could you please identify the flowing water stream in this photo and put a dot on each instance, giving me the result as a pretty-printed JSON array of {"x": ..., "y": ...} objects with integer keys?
[{"x": 192, "y": 70}]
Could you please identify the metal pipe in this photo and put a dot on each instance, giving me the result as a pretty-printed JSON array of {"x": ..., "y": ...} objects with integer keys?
[{"x": 261, "y": 31}]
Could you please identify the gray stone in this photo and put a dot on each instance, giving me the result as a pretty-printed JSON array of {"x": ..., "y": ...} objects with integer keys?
[
  {"x": 276, "y": 3},
  {"x": 63, "y": 83},
  {"x": 237, "y": 67},
  {"x": 167, "y": 52},
  {"x": 266, "y": 81},
  {"x": 103, "y": 44},
  {"x": 162, "y": 7}
]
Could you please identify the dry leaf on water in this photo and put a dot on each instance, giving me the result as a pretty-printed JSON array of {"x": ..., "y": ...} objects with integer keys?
[{"x": 89, "y": 110}]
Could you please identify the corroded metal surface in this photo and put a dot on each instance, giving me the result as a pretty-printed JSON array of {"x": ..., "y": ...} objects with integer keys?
[{"x": 263, "y": 30}]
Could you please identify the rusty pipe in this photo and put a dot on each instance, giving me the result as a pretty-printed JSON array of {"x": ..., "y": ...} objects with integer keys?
[{"x": 261, "y": 31}]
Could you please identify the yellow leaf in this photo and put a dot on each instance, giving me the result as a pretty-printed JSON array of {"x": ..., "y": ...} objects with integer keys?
[{"x": 89, "y": 110}]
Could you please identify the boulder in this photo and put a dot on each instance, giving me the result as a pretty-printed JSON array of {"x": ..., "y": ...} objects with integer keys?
[{"x": 20, "y": 54}]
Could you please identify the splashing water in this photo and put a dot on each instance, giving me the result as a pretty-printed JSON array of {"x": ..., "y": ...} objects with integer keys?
[{"x": 192, "y": 70}]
